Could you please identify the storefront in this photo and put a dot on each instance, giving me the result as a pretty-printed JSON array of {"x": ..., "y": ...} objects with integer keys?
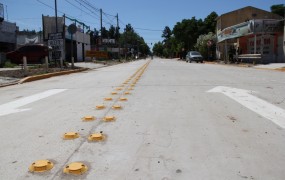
[{"x": 262, "y": 37}]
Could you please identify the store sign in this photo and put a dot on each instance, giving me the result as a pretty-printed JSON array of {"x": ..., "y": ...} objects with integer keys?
[
  {"x": 56, "y": 42},
  {"x": 108, "y": 41},
  {"x": 257, "y": 26},
  {"x": 49, "y": 25},
  {"x": 97, "y": 54},
  {"x": 235, "y": 31},
  {"x": 263, "y": 43}
]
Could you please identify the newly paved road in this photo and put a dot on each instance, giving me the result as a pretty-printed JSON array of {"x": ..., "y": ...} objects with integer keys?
[{"x": 181, "y": 121}]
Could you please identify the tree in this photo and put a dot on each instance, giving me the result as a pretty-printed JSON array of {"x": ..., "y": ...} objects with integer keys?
[
  {"x": 166, "y": 33},
  {"x": 278, "y": 9},
  {"x": 187, "y": 32},
  {"x": 131, "y": 40},
  {"x": 129, "y": 28},
  {"x": 203, "y": 47},
  {"x": 158, "y": 49},
  {"x": 112, "y": 32},
  {"x": 210, "y": 22},
  {"x": 104, "y": 33}
]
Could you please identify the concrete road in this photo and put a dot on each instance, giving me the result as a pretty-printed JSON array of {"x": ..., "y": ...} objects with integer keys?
[{"x": 181, "y": 121}]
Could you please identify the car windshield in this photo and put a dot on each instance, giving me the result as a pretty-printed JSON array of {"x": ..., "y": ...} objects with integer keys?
[{"x": 195, "y": 53}]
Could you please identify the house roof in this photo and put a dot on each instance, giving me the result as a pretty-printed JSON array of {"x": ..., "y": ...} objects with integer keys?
[{"x": 250, "y": 7}]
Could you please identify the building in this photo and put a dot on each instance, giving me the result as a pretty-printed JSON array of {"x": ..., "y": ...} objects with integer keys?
[
  {"x": 250, "y": 30},
  {"x": 8, "y": 36}
]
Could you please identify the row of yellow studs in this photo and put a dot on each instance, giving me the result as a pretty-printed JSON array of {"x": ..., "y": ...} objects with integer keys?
[{"x": 78, "y": 168}]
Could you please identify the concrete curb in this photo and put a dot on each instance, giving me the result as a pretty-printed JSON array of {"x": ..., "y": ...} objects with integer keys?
[
  {"x": 9, "y": 84},
  {"x": 48, "y": 75}
]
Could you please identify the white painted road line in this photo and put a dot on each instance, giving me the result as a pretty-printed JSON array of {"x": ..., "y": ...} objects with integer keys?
[
  {"x": 261, "y": 107},
  {"x": 12, "y": 107}
]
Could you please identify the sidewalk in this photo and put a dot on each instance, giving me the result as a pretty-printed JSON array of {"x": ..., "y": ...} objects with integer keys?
[
  {"x": 271, "y": 66},
  {"x": 7, "y": 81}
]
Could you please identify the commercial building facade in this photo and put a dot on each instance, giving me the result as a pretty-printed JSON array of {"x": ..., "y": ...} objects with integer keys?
[{"x": 250, "y": 31}]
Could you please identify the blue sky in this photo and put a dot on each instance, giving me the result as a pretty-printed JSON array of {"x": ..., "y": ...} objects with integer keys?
[{"x": 144, "y": 14}]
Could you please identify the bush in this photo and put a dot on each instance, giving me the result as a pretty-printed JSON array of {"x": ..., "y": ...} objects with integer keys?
[{"x": 8, "y": 64}]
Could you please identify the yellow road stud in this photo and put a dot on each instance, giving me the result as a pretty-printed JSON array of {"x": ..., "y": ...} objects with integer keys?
[
  {"x": 70, "y": 135},
  {"x": 118, "y": 89},
  {"x": 97, "y": 137},
  {"x": 127, "y": 93},
  {"x": 117, "y": 107},
  {"x": 114, "y": 93},
  {"x": 109, "y": 118},
  {"x": 88, "y": 118},
  {"x": 41, "y": 166},
  {"x": 108, "y": 99},
  {"x": 123, "y": 99},
  {"x": 101, "y": 106},
  {"x": 75, "y": 168}
]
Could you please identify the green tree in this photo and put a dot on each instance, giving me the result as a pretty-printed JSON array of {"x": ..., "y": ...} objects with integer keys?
[
  {"x": 166, "y": 33},
  {"x": 104, "y": 33},
  {"x": 203, "y": 47},
  {"x": 278, "y": 9},
  {"x": 210, "y": 22},
  {"x": 158, "y": 49},
  {"x": 131, "y": 40},
  {"x": 112, "y": 32},
  {"x": 187, "y": 32}
]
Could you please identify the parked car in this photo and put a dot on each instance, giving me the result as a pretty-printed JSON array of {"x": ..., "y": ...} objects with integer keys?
[
  {"x": 35, "y": 54},
  {"x": 194, "y": 56}
]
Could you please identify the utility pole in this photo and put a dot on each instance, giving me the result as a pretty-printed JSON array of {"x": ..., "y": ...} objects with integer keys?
[
  {"x": 118, "y": 32},
  {"x": 101, "y": 26},
  {"x": 117, "y": 20},
  {"x": 55, "y": 4},
  {"x": 101, "y": 19}
]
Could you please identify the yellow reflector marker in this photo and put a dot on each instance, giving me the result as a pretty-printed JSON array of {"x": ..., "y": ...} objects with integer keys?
[
  {"x": 41, "y": 166},
  {"x": 114, "y": 93},
  {"x": 117, "y": 107},
  {"x": 118, "y": 89},
  {"x": 75, "y": 168},
  {"x": 101, "y": 106},
  {"x": 96, "y": 137},
  {"x": 109, "y": 118},
  {"x": 123, "y": 99},
  {"x": 88, "y": 118},
  {"x": 131, "y": 89},
  {"x": 70, "y": 135},
  {"x": 132, "y": 85},
  {"x": 108, "y": 99},
  {"x": 127, "y": 93}
]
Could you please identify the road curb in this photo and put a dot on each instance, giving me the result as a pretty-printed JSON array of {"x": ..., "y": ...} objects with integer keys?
[{"x": 48, "y": 75}]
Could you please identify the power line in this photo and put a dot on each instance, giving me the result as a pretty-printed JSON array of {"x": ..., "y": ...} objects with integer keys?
[
  {"x": 62, "y": 12},
  {"x": 80, "y": 9},
  {"x": 148, "y": 29}
]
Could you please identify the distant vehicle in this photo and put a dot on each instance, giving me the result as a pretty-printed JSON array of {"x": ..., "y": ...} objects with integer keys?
[
  {"x": 194, "y": 56},
  {"x": 35, "y": 54}
]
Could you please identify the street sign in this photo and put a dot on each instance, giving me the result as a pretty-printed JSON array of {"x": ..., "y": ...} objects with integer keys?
[{"x": 56, "y": 42}]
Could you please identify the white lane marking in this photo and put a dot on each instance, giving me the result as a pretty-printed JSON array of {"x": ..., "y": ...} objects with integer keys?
[
  {"x": 259, "y": 106},
  {"x": 12, "y": 107}
]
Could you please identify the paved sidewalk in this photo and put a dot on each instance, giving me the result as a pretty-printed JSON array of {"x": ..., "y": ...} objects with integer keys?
[
  {"x": 6, "y": 81},
  {"x": 271, "y": 66}
]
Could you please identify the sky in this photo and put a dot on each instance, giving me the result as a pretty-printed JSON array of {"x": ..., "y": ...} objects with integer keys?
[{"x": 147, "y": 17}]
